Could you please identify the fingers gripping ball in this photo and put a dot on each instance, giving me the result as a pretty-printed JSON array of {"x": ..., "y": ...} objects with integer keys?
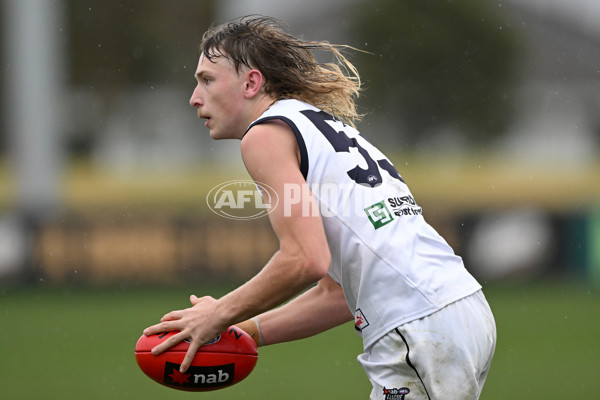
[{"x": 222, "y": 362}]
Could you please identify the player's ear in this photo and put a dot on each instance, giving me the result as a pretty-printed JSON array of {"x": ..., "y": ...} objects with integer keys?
[{"x": 254, "y": 82}]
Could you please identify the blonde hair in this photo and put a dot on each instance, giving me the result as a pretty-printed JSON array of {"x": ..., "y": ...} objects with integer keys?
[{"x": 288, "y": 65}]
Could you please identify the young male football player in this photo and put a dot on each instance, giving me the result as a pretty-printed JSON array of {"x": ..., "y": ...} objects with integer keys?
[{"x": 348, "y": 223}]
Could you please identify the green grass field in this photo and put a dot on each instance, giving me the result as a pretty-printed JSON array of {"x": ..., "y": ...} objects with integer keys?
[{"x": 77, "y": 343}]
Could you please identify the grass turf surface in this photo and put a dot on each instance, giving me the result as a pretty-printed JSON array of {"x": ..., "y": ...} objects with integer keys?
[{"x": 68, "y": 343}]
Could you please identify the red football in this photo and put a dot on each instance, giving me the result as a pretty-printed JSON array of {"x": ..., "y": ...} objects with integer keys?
[{"x": 222, "y": 362}]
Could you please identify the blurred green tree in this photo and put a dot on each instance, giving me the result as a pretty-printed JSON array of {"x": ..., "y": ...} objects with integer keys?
[
  {"x": 119, "y": 43},
  {"x": 436, "y": 65},
  {"x": 115, "y": 45}
]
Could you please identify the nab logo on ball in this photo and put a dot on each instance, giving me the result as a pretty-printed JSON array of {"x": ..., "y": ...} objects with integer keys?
[
  {"x": 222, "y": 362},
  {"x": 200, "y": 377}
]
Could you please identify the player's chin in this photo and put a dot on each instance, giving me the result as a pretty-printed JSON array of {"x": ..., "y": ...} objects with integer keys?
[
  {"x": 215, "y": 135},
  {"x": 218, "y": 135}
]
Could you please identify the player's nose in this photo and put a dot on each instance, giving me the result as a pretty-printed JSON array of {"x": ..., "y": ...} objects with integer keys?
[{"x": 196, "y": 99}]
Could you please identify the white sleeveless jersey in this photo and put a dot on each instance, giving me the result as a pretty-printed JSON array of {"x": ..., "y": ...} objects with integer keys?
[{"x": 392, "y": 266}]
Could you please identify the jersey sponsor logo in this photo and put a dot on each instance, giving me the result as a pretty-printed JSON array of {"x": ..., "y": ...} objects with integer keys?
[
  {"x": 379, "y": 215},
  {"x": 199, "y": 377},
  {"x": 405, "y": 205},
  {"x": 360, "y": 321},
  {"x": 395, "y": 394}
]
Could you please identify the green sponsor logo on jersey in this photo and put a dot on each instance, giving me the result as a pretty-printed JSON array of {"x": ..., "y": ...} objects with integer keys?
[{"x": 379, "y": 215}]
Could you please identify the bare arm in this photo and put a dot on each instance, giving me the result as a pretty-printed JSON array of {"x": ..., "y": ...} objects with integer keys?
[
  {"x": 316, "y": 310},
  {"x": 270, "y": 155}
]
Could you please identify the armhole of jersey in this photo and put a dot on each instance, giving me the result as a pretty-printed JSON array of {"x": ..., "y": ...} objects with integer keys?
[{"x": 299, "y": 139}]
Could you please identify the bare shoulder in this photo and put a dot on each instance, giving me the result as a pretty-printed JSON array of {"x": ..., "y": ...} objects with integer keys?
[{"x": 273, "y": 140}]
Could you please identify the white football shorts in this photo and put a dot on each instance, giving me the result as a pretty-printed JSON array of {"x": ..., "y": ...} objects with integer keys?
[{"x": 445, "y": 355}]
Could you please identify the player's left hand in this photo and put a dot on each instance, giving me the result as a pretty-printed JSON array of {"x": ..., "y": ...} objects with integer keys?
[{"x": 199, "y": 324}]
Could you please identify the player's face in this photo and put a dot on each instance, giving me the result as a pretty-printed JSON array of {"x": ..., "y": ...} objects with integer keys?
[{"x": 219, "y": 98}]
